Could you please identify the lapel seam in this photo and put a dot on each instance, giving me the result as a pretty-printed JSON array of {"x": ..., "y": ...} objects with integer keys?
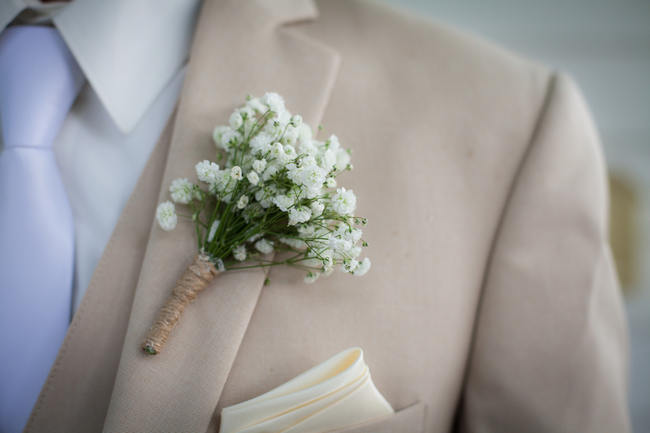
[
  {"x": 227, "y": 376},
  {"x": 290, "y": 31},
  {"x": 321, "y": 80}
]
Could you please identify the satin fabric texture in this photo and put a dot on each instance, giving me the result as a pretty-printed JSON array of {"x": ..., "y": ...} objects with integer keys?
[{"x": 39, "y": 80}]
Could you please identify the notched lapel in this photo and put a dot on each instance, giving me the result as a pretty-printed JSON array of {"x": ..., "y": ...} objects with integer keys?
[{"x": 239, "y": 48}]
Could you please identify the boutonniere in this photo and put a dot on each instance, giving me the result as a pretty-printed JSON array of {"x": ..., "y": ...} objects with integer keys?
[{"x": 272, "y": 188}]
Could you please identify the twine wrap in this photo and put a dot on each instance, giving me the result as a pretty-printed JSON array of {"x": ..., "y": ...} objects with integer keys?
[{"x": 196, "y": 277}]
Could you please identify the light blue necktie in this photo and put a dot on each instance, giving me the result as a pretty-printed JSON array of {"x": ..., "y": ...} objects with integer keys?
[{"x": 39, "y": 80}]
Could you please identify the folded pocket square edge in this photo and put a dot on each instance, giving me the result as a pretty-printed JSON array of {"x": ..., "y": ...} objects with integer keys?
[
  {"x": 407, "y": 420},
  {"x": 336, "y": 393}
]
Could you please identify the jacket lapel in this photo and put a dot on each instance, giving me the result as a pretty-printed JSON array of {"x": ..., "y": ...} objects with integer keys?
[{"x": 239, "y": 48}]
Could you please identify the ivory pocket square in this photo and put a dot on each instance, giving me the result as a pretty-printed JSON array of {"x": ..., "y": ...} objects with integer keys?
[{"x": 337, "y": 393}]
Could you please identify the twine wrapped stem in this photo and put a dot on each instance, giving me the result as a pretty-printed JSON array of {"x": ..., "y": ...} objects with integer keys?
[{"x": 196, "y": 277}]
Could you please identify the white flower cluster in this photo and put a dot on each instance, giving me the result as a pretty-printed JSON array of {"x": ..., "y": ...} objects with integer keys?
[
  {"x": 276, "y": 191},
  {"x": 166, "y": 215}
]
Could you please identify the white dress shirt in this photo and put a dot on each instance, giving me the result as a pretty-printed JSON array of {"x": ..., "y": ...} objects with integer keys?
[{"x": 133, "y": 56}]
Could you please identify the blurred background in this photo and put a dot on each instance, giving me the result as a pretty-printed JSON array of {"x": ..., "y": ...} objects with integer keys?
[{"x": 605, "y": 46}]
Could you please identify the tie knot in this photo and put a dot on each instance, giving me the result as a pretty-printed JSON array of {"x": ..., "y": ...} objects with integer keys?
[{"x": 39, "y": 80}]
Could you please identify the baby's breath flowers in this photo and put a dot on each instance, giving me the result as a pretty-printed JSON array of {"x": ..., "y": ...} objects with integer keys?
[
  {"x": 271, "y": 189},
  {"x": 166, "y": 215}
]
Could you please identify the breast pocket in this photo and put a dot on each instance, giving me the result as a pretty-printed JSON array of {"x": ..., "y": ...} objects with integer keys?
[{"x": 408, "y": 420}]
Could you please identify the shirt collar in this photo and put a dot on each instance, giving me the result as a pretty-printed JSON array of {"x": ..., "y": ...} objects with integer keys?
[
  {"x": 129, "y": 50},
  {"x": 9, "y": 10}
]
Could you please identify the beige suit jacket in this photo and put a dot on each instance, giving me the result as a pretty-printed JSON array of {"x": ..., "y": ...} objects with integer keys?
[{"x": 492, "y": 305}]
